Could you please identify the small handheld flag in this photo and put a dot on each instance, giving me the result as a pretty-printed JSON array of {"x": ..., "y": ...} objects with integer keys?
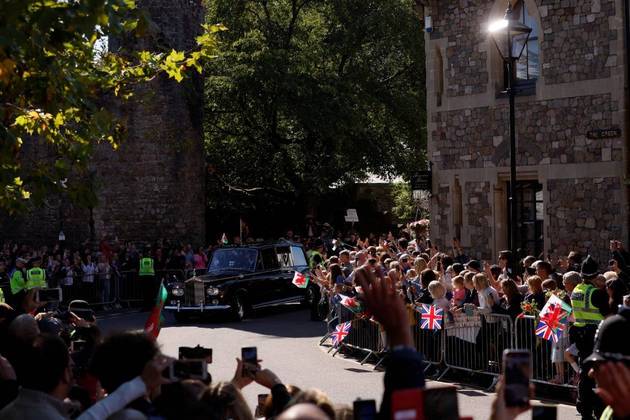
[
  {"x": 431, "y": 317},
  {"x": 153, "y": 324},
  {"x": 301, "y": 280},
  {"x": 340, "y": 333},
  {"x": 553, "y": 319},
  {"x": 352, "y": 303}
]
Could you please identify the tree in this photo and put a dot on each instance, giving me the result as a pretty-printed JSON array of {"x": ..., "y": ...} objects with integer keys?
[
  {"x": 408, "y": 208},
  {"x": 55, "y": 81},
  {"x": 312, "y": 93}
]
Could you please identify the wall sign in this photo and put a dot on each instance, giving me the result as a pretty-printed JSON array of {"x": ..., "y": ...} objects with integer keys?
[
  {"x": 421, "y": 181},
  {"x": 608, "y": 133}
]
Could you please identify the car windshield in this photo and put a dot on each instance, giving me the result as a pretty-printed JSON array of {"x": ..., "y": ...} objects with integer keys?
[{"x": 233, "y": 259}]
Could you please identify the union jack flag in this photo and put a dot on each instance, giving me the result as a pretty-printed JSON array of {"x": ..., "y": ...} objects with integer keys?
[
  {"x": 431, "y": 317},
  {"x": 340, "y": 333},
  {"x": 553, "y": 321}
]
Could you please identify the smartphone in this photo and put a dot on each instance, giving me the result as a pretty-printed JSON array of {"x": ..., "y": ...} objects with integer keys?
[
  {"x": 48, "y": 295},
  {"x": 517, "y": 368},
  {"x": 249, "y": 356},
  {"x": 544, "y": 412},
  {"x": 77, "y": 345},
  {"x": 441, "y": 403},
  {"x": 195, "y": 353},
  {"x": 186, "y": 369},
  {"x": 408, "y": 404},
  {"x": 429, "y": 244},
  {"x": 364, "y": 409}
]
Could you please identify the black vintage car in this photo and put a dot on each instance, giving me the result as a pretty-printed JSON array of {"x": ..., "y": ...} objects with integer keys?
[{"x": 241, "y": 279}]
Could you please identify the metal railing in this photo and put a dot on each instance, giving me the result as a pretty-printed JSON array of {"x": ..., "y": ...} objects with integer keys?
[{"x": 473, "y": 343}]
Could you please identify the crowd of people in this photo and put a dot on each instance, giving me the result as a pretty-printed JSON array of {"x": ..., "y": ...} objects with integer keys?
[
  {"x": 44, "y": 373},
  {"x": 512, "y": 287}
]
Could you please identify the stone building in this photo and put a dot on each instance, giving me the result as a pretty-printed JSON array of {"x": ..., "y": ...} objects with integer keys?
[
  {"x": 570, "y": 119},
  {"x": 154, "y": 185}
]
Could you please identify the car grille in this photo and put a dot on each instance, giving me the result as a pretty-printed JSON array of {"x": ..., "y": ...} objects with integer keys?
[{"x": 194, "y": 293}]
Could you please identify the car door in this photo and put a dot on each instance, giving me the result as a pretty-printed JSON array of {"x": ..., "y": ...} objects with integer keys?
[
  {"x": 269, "y": 279},
  {"x": 285, "y": 259}
]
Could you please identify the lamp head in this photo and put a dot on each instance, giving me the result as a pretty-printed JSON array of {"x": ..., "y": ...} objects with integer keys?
[{"x": 509, "y": 35}]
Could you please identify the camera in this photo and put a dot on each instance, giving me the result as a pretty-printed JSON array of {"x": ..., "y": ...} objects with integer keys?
[
  {"x": 186, "y": 369},
  {"x": 195, "y": 353}
]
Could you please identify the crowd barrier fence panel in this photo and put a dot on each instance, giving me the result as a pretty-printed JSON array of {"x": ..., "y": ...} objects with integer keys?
[
  {"x": 366, "y": 336},
  {"x": 547, "y": 356},
  {"x": 476, "y": 343},
  {"x": 428, "y": 342}
]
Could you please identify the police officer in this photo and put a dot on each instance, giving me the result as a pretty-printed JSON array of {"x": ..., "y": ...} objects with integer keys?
[
  {"x": 147, "y": 276},
  {"x": 590, "y": 304},
  {"x": 315, "y": 256},
  {"x": 36, "y": 276},
  {"x": 18, "y": 282}
]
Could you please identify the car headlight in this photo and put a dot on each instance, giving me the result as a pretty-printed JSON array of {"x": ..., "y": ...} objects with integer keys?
[
  {"x": 177, "y": 292},
  {"x": 212, "y": 291}
]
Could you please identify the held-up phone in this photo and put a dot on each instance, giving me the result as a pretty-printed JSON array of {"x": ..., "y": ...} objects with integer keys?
[
  {"x": 441, "y": 403},
  {"x": 364, "y": 409},
  {"x": 48, "y": 295},
  {"x": 408, "y": 404},
  {"x": 249, "y": 356},
  {"x": 195, "y": 353},
  {"x": 186, "y": 369},
  {"x": 262, "y": 399},
  {"x": 517, "y": 371},
  {"x": 544, "y": 412}
]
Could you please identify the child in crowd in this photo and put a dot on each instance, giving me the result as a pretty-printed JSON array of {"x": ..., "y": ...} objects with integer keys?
[
  {"x": 438, "y": 293},
  {"x": 459, "y": 291}
]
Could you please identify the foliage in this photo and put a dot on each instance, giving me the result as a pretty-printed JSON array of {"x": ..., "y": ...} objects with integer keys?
[
  {"x": 312, "y": 93},
  {"x": 55, "y": 79},
  {"x": 407, "y": 208}
]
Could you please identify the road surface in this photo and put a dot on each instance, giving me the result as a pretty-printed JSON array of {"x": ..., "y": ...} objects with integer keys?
[{"x": 288, "y": 345}]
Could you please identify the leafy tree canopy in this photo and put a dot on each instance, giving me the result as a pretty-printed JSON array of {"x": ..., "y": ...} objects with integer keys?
[
  {"x": 54, "y": 77},
  {"x": 313, "y": 93}
]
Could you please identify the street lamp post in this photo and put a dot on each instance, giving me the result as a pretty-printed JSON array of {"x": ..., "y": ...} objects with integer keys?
[{"x": 510, "y": 37}]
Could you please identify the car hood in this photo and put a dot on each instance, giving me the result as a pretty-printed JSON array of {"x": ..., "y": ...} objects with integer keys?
[{"x": 221, "y": 276}]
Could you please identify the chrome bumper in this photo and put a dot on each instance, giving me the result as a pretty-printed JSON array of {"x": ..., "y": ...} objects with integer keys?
[{"x": 200, "y": 308}]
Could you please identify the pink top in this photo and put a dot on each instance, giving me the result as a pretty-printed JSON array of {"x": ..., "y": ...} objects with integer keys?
[{"x": 201, "y": 261}]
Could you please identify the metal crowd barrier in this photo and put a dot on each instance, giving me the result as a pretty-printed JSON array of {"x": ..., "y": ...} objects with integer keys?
[
  {"x": 469, "y": 343},
  {"x": 547, "y": 357},
  {"x": 428, "y": 342}
]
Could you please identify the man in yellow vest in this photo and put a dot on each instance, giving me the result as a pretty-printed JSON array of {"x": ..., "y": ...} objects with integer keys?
[
  {"x": 315, "y": 256},
  {"x": 18, "y": 282},
  {"x": 36, "y": 276},
  {"x": 147, "y": 276},
  {"x": 590, "y": 304}
]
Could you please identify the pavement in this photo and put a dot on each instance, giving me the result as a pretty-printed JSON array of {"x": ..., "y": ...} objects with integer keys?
[{"x": 287, "y": 342}]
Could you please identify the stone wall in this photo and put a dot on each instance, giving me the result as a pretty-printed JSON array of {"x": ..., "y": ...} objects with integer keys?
[
  {"x": 478, "y": 218},
  {"x": 440, "y": 215},
  {"x": 548, "y": 132},
  {"x": 154, "y": 185},
  {"x": 461, "y": 22},
  {"x": 577, "y": 37},
  {"x": 580, "y": 216}
]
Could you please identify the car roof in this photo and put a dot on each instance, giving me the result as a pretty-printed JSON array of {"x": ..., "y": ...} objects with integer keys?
[{"x": 261, "y": 245}]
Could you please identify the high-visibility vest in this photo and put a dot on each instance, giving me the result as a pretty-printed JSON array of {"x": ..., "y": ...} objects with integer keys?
[
  {"x": 17, "y": 281},
  {"x": 608, "y": 414},
  {"x": 311, "y": 258},
  {"x": 584, "y": 311},
  {"x": 35, "y": 277},
  {"x": 2, "y": 296},
  {"x": 146, "y": 267}
]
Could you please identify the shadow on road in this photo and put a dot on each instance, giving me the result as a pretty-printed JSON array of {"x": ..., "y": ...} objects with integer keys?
[{"x": 287, "y": 321}]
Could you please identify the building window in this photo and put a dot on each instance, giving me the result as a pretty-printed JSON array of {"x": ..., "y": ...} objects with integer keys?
[
  {"x": 527, "y": 67},
  {"x": 439, "y": 77},
  {"x": 530, "y": 217}
]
